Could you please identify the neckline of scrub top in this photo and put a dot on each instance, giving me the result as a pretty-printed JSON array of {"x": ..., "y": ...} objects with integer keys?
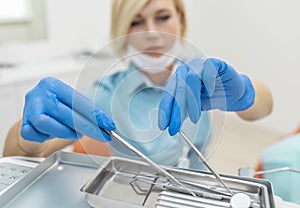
[{"x": 144, "y": 81}]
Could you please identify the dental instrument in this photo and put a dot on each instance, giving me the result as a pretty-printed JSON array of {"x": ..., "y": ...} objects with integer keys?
[
  {"x": 201, "y": 157},
  {"x": 150, "y": 162}
]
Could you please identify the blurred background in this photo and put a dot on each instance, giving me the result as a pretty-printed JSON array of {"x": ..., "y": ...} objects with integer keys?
[{"x": 41, "y": 38}]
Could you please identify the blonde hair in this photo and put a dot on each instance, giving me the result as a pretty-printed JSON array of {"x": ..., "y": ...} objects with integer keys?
[{"x": 122, "y": 14}]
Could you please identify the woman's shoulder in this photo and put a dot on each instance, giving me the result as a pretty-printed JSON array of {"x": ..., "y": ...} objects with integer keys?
[
  {"x": 104, "y": 88},
  {"x": 112, "y": 80}
]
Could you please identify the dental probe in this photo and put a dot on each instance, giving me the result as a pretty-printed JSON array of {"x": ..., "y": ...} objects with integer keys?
[{"x": 204, "y": 160}]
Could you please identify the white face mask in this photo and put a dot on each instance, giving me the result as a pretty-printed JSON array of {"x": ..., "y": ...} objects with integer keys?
[{"x": 151, "y": 64}]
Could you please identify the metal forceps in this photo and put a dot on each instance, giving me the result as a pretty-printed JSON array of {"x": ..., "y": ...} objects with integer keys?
[
  {"x": 202, "y": 158},
  {"x": 150, "y": 162}
]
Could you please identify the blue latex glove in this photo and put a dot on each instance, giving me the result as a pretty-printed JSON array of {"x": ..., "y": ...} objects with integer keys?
[
  {"x": 201, "y": 86},
  {"x": 54, "y": 109}
]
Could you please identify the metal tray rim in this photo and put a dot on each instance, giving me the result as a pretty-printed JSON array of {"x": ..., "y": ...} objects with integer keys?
[
  {"x": 58, "y": 157},
  {"x": 258, "y": 182}
]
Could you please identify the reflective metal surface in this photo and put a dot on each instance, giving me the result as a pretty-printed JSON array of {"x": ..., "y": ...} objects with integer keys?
[
  {"x": 55, "y": 182},
  {"x": 129, "y": 183}
]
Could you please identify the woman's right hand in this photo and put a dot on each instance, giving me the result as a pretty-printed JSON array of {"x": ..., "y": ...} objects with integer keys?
[{"x": 55, "y": 110}]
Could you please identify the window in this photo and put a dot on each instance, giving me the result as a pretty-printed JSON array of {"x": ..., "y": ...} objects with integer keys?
[
  {"x": 14, "y": 10},
  {"x": 22, "y": 20}
]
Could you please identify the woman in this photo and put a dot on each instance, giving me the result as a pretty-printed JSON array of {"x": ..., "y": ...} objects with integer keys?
[{"x": 152, "y": 45}]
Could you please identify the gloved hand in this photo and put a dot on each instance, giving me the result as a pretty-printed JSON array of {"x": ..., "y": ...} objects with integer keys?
[
  {"x": 54, "y": 109},
  {"x": 202, "y": 86}
]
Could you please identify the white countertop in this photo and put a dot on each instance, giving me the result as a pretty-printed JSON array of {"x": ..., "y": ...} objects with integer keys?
[{"x": 29, "y": 71}]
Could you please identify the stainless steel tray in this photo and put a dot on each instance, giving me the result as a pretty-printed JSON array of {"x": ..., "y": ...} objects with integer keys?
[
  {"x": 126, "y": 183},
  {"x": 55, "y": 182}
]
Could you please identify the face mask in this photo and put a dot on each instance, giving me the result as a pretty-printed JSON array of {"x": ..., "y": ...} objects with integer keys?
[{"x": 151, "y": 64}]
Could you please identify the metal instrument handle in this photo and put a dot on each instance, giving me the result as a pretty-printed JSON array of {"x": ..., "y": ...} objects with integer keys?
[
  {"x": 202, "y": 158},
  {"x": 146, "y": 159}
]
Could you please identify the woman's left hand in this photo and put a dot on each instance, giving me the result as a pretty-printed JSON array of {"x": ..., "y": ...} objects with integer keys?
[{"x": 201, "y": 86}]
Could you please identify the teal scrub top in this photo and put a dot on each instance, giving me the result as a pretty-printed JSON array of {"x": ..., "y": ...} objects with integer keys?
[
  {"x": 284, "y": 153},
  {"x": 133, "y": 106}
]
